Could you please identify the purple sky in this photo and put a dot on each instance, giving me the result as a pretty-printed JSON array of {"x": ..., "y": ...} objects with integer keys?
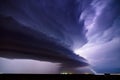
[{"x": 89, "y": 28}]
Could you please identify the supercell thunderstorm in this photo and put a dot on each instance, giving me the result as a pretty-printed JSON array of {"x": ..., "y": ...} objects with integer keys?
[{"x": 90, "y": 28}]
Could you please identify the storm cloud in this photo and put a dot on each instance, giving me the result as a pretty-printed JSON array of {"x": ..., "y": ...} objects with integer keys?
[{"x": 62, "y": 27}]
